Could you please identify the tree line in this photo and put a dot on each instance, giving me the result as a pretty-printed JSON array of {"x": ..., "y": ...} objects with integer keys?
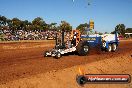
[
  {"x": 121, "y": 29},
  {"x": 38, "y": 24}
]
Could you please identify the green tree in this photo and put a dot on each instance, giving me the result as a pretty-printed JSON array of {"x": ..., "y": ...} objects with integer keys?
[
  {"x": 39, "y": 24},
  {"x": 120, "y": 28},
  {"x": 52, "y": 26},
  {"x": 82, "y": 27},
  {"x": 9, "y": 22},
  {"x": 100, "y": 33},
  {"x": 129, "y": 30},
  {"x": 106, "y": 33},
  {"x": 65, "y": 26},
  {"x": 16, "y": 23},
  {"x": 26, "y": 25},
  {"x": 3, "y": 21}
]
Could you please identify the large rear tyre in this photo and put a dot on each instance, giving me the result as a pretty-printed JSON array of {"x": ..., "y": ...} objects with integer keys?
[
  {"x": 83, "y": 48},
  {"x": 58, "y": 55},
  {"x": 114, "y": 47},
  {"x": 109, "y": 49}
]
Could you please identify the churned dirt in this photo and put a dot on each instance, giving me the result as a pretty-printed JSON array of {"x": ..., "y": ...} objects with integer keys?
[{"x": 22, "y": 65}]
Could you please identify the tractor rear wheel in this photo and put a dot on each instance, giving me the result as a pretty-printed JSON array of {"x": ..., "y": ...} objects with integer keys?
[
  {"x": 114, "y": 47},
  {"x": 109, "y": 49},
  {"x": 83, "y": 48}
]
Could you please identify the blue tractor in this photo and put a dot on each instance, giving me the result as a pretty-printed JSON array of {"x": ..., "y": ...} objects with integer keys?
[
  {"x": 75, "y": 42},
  {"x": 107, "y": 42}
]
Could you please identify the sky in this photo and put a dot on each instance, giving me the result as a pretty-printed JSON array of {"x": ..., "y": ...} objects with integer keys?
[{"x": 105, "y": 13}]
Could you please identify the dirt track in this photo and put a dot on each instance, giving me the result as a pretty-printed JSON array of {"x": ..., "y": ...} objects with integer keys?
[{"x": 21, "y": 60}]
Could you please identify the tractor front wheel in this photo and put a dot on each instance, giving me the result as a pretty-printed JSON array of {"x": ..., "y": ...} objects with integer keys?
[
  {"x": 114, "y": 47},
  {"x": 45, "y": 54},
  {"x": 58, "y": 55}
]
